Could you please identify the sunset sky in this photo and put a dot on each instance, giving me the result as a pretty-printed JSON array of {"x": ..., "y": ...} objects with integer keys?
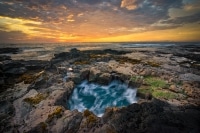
[{"x": 99, "y": 20}]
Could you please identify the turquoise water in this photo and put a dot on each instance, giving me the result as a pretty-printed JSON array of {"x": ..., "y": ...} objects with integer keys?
[{"x": 96, "y": 98}]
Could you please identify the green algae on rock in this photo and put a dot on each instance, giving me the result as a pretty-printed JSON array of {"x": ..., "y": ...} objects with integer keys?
[
  {"x": 36, "y": 99},
  {"x": 56, "y": 113}
]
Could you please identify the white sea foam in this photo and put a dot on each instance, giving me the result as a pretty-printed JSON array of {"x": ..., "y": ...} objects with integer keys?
[{"x": 97, "y": 98}]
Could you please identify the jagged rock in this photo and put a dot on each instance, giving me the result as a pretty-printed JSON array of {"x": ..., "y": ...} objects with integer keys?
[
  {"x": 134, "y": 84},
  {"x": 16, "y": 71},
  {"x": 4, "y": 57},
  {"x": 191, "y": 89},
  {"x": 59, "y": 95},
  {"x": 94, "y": 74},
  {"x": 35, "y": 64},
  {"x": 6, "y": 108},
  {"x": 175, "y": 88},
  {"x": 109, "y": 112},
  {"x": 10, "y": 64},
  {"x": 104, "y": 79},
  {"x": 69, "y": 122},
  {"x": 189, "y": 77},
  {"x": 176, "y": 115},
  {"x": 85, "y": 74},
  {"x": 145, "y": 72},
  {"x": 76, "y": 79},
  {"x": 2, "y": 81},
  {"x": 20, "y": 89},
  {"x": 47, "y": 113},
  {"x": 6, "y": 112},
  {"x": 9, "y": 50},
  {"x": 149, "y": 117},
  {"x": 38, "y": 119},
  {"x": 64, "y": 95},
  {"x": 88, "y": 122},
  {"x": 148, "y": 96},
  {"x": 22, "y": 108}
]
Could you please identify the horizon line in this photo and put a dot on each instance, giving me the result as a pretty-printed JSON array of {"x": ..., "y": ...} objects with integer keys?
[{"x": 12, "y": 43}]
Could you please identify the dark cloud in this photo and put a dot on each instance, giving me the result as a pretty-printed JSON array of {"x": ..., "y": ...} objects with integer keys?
[
  {"x": 146, "y": 11},
  {"x": 149, "y": 11},
  {"x": 184, "y": 20},
  {"x": 163, "y": 27},
  {"x": 97, "y": 16},
  {"x": 90, "y": 1},
  {"x": 12, "y": 36}
]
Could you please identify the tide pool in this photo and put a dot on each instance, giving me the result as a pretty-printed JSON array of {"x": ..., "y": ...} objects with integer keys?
[{"x": 97, "y": 98}]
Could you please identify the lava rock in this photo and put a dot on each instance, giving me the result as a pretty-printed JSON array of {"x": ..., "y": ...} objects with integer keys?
[
  {"x": 94, "y": 74},
  {"x": 9, "y": 50},
  {"x": 4, "y": 57},
  {"x": 104, "y": 79},
  {"x": 85, "y": 74}
]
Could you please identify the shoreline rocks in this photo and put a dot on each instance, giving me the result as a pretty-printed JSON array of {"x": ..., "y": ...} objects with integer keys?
[{"x": 168, "y": 97}]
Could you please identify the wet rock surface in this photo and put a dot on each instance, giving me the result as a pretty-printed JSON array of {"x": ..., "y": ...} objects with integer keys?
[
  {"x": 9, "y": 50},
  {"x": 33, "y": 94}
]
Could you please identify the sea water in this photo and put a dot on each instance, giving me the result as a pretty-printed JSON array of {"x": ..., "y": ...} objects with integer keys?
[{"x": 97, "y": 98}]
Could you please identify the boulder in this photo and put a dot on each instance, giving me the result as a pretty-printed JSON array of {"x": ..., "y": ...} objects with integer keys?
[
  {"x": 62, "y": 98},
  {"x": 39, "y": 119},
  {"x": 69, "y": 122},
  {"x": 175, "y": 88},
  {"x": 48, "y": 114},
  {"x": 85, "y": 74},
  {"x": 58, "y": 95},
  {"x": 104, "y": 79},
  {"x": 88, "y": 122},
  {"x": 94, "y": 74}
]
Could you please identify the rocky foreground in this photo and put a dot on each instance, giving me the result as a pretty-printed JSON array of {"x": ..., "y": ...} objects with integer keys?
[{"x": 33, "y": 94}]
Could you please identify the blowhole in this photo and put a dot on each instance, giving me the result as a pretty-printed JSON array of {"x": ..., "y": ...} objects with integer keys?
[{"x": 97, "y": 98}]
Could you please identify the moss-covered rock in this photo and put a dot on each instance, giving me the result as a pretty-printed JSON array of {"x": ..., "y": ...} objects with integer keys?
[
  {"x": 144, "y": 92},
  {"x": 164, "y": 94},
  {"x": 155, "y": 82},
  {"x": 153, "y": 64},
  {"x": 36, "y": 99},
  {"x": 57, "y": 113},
  {"x": 81, "y": 62},
  {"x": 122, "y": 60},
  {"x": 153, "y": 86},
  {"x": 30, "y": 77},
  {"x": 91, "y": 119}
]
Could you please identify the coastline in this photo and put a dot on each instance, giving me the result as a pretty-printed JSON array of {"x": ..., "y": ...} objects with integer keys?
[{"x": 34, "y": 94}]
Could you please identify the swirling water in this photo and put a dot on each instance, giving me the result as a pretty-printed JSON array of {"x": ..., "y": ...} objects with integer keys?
[{"x": 97, "y": 98}]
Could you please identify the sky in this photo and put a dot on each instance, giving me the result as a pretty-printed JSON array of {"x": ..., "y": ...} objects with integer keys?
[{"x": 99, "y": 20}]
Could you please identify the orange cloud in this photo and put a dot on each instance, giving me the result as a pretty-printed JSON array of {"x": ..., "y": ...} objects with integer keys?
[
  {"x": 188, "y": 33},
  {"x": 128, "y": 4}
]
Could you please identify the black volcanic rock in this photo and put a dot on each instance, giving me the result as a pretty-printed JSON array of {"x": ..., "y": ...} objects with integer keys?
[
  {"x": 35, "y": 64},
  {"x": 10, "y": 64},
  {"x": 9, "y": 50},
  {"x": 4, "y": 57},
  {"x": 74, "y": 53},
  {"x": 96, "y": 55},
  {"x": 11, "y": 70},
  {"x": 151, "y": 117},
  {"x": 52, "y": 90}
]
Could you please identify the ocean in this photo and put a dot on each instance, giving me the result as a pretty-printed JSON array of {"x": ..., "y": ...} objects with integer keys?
[{"x": 45, "y": 51}]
